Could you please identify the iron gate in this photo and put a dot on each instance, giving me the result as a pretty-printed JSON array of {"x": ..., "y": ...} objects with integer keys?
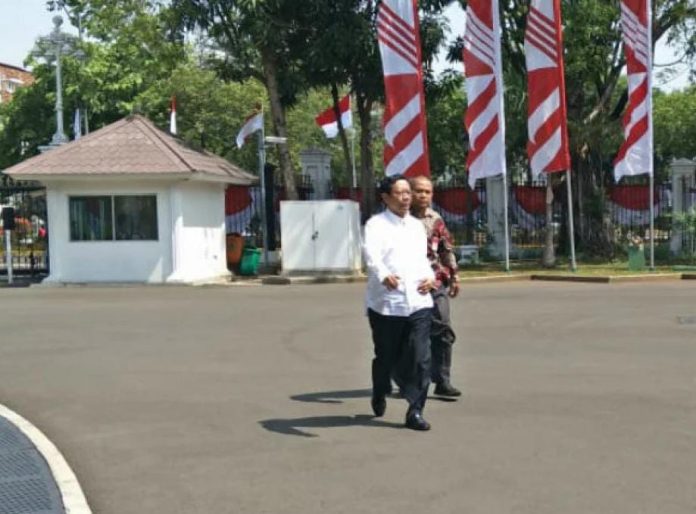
[{"x": 30, "y": 237}]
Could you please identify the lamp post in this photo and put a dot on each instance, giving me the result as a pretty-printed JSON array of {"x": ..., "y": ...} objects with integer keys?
[
  {"x": 263, "y": 141},
  {"x": 52, "y": 47}
]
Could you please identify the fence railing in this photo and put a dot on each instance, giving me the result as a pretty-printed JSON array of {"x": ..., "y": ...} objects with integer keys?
[{"x": 466, "y": 211}]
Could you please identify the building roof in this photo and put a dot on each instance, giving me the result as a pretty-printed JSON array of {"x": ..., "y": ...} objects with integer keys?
[
  {"x": 131, "y": 146},
  {"x": 13, "y": 67}
]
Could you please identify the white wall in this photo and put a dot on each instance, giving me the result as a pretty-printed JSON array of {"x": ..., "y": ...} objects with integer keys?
[
  {"x": 198, "y": 211},
  {"x": 107, "y": 261}
]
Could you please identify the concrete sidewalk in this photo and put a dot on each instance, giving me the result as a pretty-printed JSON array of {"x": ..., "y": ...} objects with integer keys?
[{"x": 579, "y": 398}]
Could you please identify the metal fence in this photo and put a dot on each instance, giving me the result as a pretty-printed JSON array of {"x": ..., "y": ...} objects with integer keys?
[
  {"x": 466, "y": 212},
  {"x": 29, "y": 239}
]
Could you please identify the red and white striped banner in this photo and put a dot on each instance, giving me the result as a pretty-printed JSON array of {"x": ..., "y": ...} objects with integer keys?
[
  {"x": 547, "y": 118},
  {"x": 405, "y": 130},
  {"x": 485, "y": 119},
  {"x": 636, "y": 154}
]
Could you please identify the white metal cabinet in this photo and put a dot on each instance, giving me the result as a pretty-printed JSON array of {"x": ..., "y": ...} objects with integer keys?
[{"x": 320, "y": 236}]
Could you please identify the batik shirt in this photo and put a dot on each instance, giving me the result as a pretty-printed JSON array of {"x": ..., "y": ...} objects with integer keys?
[{"x": 440, "y": 248}]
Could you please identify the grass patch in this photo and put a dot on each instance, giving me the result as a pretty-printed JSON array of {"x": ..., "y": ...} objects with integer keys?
[{"x": 563, "y": 268}]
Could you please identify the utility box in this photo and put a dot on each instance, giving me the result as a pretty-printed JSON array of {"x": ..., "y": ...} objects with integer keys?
[{"x": 320, "y": 237}]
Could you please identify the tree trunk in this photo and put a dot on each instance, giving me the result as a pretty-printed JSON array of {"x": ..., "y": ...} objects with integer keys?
[
  {"x": 549, "y": 258},
  {"x": 278, "y": 115},
  {"x": 367, "y": 173},
  {"x": 342, "y": 134}
]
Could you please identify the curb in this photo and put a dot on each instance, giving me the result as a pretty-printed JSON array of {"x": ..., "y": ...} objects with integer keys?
[
  {"x": 495, "y": 278},
  {"x": 74, "y": 501},
  {"x": 279, "y": 280},
  {"x": 607, "y": 279}
]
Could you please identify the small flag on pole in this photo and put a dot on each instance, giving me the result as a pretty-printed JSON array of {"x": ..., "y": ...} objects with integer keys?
[
  {"x": 77, "y": 125},
  {"x": 251, "y": 125},
  {"x": 329, "y": 123},
  {"x": 172, "y": 116}
]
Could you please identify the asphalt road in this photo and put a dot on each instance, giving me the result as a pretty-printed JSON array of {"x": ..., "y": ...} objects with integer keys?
[{"x": 578, "y": 399}]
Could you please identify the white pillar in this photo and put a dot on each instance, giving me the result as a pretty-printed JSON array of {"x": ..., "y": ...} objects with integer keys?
[
  {"x": 317, "y": 164},
  {"x": 495, "y": 212},
  {"x": 683, "y": 171}
]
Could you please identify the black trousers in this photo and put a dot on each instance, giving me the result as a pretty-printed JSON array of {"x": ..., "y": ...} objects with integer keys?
[
  {"x": 442, "y": 337},
  {"x": 402, "y": 352}
]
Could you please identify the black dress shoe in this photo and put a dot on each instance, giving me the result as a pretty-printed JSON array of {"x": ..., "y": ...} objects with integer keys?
[
  {"x": 446, "y": 389},
  {"x": 379, "y": 405},
  {"x": 415, "y": 421}
]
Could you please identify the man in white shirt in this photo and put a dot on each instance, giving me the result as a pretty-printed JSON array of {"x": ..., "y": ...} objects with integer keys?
[{"x": 399, "y": 304}]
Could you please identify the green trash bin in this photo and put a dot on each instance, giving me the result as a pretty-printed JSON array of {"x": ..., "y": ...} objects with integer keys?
[
  {"x": 636, "y": 258},
  {"x": 250, "y": 261}
]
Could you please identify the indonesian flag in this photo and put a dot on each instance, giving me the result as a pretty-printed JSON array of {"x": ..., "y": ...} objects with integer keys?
[
  {"x": 485, "y": 119},
  {"x": 405, "y": 131},
  {"x": 636, "y": 154},
  {"x": 329, "y": 123},
  {"x": 547, "y": 123},
  {"x": 251, "y": 125},
  {"x": 172, "y": 116}
]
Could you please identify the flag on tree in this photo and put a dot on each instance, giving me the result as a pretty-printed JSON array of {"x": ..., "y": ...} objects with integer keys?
[
  {"x": 328, "y": 121},
  {"x": 252, "y": 124},
  {"x": 172, "y": 116}
]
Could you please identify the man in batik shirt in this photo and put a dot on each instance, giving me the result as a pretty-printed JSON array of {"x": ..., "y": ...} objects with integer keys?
[{"x": 444, "y": 262}]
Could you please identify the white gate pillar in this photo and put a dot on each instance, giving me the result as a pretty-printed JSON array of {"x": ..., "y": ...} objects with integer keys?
[
  {"x": 683, "y": 171},
  {"x": 317, "y": 164}
]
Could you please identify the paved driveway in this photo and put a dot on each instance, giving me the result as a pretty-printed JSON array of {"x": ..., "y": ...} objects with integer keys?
[{"x": 578, "y": 399}]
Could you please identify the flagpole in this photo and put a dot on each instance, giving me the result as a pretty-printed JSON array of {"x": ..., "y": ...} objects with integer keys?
[
  {"x": 571, "y": 224},
  {"x": 262, "y": 176},
  {"x": 506, "y": 224},
  {"x": 352, "y": 156},
  {"x": 652, "y": 222}
]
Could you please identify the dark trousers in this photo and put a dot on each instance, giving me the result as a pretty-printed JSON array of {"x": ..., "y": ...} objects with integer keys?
[
  {"x": 441, "y": 337},
  {"x": 402, "y": 352}
]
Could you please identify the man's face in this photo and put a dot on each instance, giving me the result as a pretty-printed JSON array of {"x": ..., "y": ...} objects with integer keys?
[
  {"x": 399, "y": 199},
  {"x": 422, "y": 194}
]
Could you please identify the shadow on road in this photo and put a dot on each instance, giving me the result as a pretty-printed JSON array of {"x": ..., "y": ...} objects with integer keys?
[
  {"x": 332, "y": 396},
  {"x": 294, "y": 426}
]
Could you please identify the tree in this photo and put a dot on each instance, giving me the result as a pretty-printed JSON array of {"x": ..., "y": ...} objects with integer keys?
[
  {"x": 596, "y": 96},
  {"x": 253, "y": 35},
  {"x": 674, "y": 125}
]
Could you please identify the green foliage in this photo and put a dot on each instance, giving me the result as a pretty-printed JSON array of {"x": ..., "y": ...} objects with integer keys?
[
  {"x": 674, "y": 120},
  {"x": 446, "y": 103}
]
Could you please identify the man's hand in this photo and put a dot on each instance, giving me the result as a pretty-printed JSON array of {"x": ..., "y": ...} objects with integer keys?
[
  {"x": 391, "y": 282},
  {"x": 453, "y": 289},
  {"x": 426, "y": 285}
]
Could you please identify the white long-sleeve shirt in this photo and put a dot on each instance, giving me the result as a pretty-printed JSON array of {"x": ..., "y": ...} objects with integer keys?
[{"x": 396, "y": 246}]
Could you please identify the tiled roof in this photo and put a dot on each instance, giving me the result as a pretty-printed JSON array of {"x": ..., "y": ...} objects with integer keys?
[{"x": 131, "y": 146}]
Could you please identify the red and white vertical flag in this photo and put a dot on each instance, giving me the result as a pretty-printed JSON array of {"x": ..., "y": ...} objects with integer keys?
[
  {"x": 252, "y": 123},
  {"x": 405, "y": 130},
  {"x": 485, "y": 119},
  {"x": 172, "y": 116},
  {"x": 636, "y": 154},
  {"x": 547, "y": 122},
  {"x": 328, "y": 121}
]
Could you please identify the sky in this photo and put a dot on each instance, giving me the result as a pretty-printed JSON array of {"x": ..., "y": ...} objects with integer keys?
[{"x": 22, "y": 21}]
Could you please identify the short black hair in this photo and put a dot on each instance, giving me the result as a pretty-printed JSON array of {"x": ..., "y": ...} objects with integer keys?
[{"x": 386, "y": 184}]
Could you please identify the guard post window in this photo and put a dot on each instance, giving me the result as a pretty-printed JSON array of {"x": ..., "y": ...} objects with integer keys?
[{"x": 109, "y": 218}]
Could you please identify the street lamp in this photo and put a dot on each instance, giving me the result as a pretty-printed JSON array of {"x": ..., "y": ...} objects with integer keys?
[{"x": 53, "y": 47}]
